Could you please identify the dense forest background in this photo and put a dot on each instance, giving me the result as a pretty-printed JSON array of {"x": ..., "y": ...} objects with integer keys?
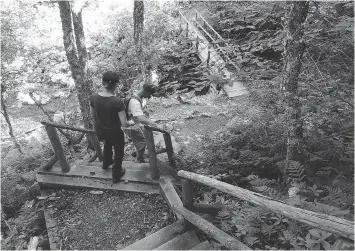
[{"x": 35, "y": 74}]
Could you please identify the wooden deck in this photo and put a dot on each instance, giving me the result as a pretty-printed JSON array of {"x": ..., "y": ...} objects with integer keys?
[{"x": 91, "y": 175}]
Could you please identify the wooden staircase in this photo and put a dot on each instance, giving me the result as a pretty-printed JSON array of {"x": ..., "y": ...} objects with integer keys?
[{"x": 172, "y": 237}]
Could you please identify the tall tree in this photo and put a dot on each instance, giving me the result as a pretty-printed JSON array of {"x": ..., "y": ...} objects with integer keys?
[
  {"x": 74, "y": 44},
  {"x": 138, "y": 20},
  {"x": 293, "y": 61}
]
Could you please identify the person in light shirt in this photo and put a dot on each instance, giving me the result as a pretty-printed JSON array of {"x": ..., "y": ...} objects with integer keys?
[{"x": 135, "y": 113}]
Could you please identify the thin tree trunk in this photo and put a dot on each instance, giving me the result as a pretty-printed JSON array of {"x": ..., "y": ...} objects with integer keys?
[
  {"x": 8, "y": 121},
  {"x": 74, "y": 44},
  {"x": 138, "y": 19},
  {"x": 85, "y": 87},
  {"x": 293, "y": 62}
]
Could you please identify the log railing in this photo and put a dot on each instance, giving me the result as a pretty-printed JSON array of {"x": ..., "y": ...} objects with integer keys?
[
  {"x": 57, "y": 146},
  {"x": 152, "y": 152},
  {"x": 332, "y": 224}
]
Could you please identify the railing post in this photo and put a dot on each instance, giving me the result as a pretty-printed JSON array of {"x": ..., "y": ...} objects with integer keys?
[
  {"x": 169, "y": 148},
  {"x": 196, "y": 16},
  {"x": 154, "y": 171},
  {"x": 58, "y": 148},
  {"x": 187, "y": 198},
  {"x": 208, "y": 55},
  {"x": 197, "y": 44},
  {"x": 96, "y": 143},
  {"x": 180, "y": 28},
  {"x": 187, "y": 29}
]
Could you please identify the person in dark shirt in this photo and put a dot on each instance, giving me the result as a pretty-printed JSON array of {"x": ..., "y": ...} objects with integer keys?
[{"x": 108, "y": 113}]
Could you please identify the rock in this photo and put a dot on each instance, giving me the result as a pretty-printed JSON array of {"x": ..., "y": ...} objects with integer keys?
[
  {"x": 160, "y": 143},
  {"x": 58, "y": 116},
  {"x": 29, "y": 177}
]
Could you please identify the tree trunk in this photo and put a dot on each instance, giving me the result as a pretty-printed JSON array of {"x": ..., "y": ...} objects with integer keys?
[
  {"x": 74, "y": 44},
  {"x": 8, "y": 121},
  {"x": 138, "y": 19},
  {"x": 293, "y": 56}
]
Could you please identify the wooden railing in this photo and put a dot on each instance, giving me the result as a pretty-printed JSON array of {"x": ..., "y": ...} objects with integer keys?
[
  {"x": 216, "y": 39},
  {"x": 149, "y": 137},
  {"x": 332, "y": 224},
  {"x": 57, "y": 146}
]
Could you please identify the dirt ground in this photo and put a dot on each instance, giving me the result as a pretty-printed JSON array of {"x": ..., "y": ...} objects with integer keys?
[{"x": 107, "y": 220}]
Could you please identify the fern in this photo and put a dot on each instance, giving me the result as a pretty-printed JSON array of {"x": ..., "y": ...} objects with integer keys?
[{"x": 296, "y": 172}]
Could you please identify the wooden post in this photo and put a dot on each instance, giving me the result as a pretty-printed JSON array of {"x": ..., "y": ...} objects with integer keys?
[
  {"x": 197, "y": 44},
  {"x": 187, "y": 198},
  {"x": 93, "y": 158},
  {"x": 187, "y": 29},
  {"x": 97, "y": 146},
  {"x": 169, "y": 148},
  {"x": 58, "y": 148},
  {"x": 49, "y": 164},
  {"x": 196, "y": 16},
  {"x": 180, "y": 28},
  {"x": 208, "y": 55},
  {"x": 154, "y": 171}
]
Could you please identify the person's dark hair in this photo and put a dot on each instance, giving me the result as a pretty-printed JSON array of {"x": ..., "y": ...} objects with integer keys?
[
  {"x": 110, "y": 79},
  {"x": 149, "y": 88}
]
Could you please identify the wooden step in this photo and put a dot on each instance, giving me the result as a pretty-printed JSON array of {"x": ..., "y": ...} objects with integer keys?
[
  {"x": 158, "y": 238},
  {"x": 135, "y": 172},
  {"x": 45, "y": 180},
  {"x": 203, "y": 246},
  {"x": 184, "y": 241}
]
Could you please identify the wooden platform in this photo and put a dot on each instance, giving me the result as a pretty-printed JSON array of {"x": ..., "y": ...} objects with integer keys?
[{"x": 91, "y": 175}]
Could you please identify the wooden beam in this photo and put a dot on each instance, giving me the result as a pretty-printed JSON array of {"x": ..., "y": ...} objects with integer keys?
[
  {"x": 208, "y": 228},
  {"x": 325, "y": 222},
  {"x": 46, "y": 123},
  {"x": 187, "y": 198},
  {"x": 169, "y": 148},
  {"x": 206, "y": 208},
  {"x": 58, "y": 148},
  {"x": 96, "y": 143},
  {"x": 49, "y": 164},
  {"x": 88, "y": 182},
  {"x": 154, "y": 171},
  {"x": 93, "y": 158},
  {"x": 168, "y": 191}
]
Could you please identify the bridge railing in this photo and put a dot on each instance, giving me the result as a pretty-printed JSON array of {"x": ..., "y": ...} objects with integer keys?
[
  {"x": 57, "y": 146},
  {"x": 59, "y": 155},
  {"x": 152, "y": 153},
  {"x": 332, "y": 224}
]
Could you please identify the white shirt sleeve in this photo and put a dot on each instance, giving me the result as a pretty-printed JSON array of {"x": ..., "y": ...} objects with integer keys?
[{"x": 134, "y": 108}]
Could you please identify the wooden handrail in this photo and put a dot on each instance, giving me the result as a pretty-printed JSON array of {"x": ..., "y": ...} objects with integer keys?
[
  {"x": 209, "y": 25},
  {"x": 167, "y": 141},
  {"x": 325, "y": 222},
  {"x": 155, "y": 129},
  {"x": 46, "y": 123}
]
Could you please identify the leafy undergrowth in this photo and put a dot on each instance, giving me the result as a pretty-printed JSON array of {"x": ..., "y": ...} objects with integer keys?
[{"x": 21, "y": 212}]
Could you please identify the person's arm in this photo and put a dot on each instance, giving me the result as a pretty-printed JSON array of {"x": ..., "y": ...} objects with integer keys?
[
  {"x": 92, "y": 111},
  {"x": 123, "y": 119},
  {"x": 144, "y": 120}
]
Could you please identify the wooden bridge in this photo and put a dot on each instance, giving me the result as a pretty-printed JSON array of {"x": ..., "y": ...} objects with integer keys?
[
  {"x": 162, "y": 178},
  {"x": 210, "y": 47}
]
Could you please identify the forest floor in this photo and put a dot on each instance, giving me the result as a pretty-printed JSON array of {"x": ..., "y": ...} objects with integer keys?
[{"x": 109, "y": 220}]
